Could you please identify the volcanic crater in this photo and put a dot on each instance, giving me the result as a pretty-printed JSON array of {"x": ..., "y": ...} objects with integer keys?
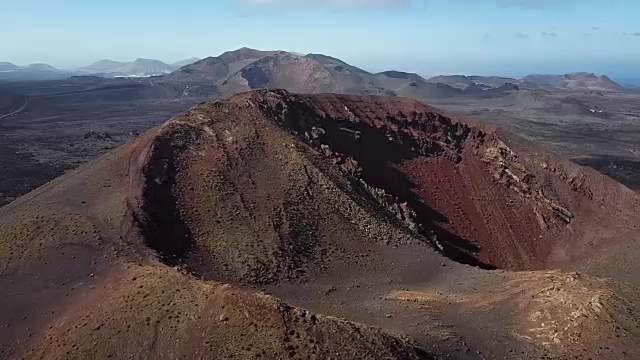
[
  {"x": 388, "y": 229},
  {"x": 477, "y": 194}
]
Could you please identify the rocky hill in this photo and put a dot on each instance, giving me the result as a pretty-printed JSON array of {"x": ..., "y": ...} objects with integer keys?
[
  {"x": 299, "y": 74},
  {"x": 574, "y": 81},
  {"x": 463, "y": 82},
  {"x": 137, "y": 68},
  {"x": 219, "y": 68},
  {"x": 589, "y": 81},
  {"x": 185, "y": 62},
  {"x": 414, "y": 86},
  {"x": 247, "y": 69},
  {"x": 456, "y": 81},
  {"x": 145, "y": 67},
  {"x": 103, "y": 66},
  {"x": 362, "y": 212}
]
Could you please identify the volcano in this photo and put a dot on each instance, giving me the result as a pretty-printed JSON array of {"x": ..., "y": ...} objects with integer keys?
[{"x": 276, "y": 225}]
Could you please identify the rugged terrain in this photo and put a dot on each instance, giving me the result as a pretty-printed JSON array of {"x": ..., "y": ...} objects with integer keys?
[
  {"x": 358, "y": 215},
  {"x": 581, "y": 81},
  {"x": 48, "y": 127},
  {"x": 598, "y": 129},
  {"x": 53, "y": 126},
  {"x": 103, "y": 68}
]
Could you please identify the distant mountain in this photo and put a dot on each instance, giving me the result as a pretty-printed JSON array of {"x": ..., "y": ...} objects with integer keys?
[
  {"x": 137, "y": 68},
  {"x": 181, "y": 63},
  {"x": 246, "y": 69},
  {"x": 463, "y": 82},
  {"x": 301, "y": 74},
  {"x": 7, "y": 66},
  {"x": 335, "y": 64},
  {"x": 572, "y": 81},
  {"x": 397, "y": 79},
  {"x": 146, "y": 67},
  {"x": 40, "y": 67},
  {"x": 216, "y": 69},
  {"x": 542, "y": 81},
  {"x": 39, "y": 71},
  {"x": 456, "y": 81},
  {"x": 492, "y": 81},
  {"x": 103, "y": 66},
  {"x": 414, "y": 86},
  {"x": 589, "y": 81}
]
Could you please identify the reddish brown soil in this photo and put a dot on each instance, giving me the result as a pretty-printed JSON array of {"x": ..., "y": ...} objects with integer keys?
[
  {"x": 365, "y": 208},
  {"x": 491, "y": 199}
]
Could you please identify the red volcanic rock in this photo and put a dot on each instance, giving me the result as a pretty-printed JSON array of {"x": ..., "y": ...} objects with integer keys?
[{"x": 483, "y": 196}]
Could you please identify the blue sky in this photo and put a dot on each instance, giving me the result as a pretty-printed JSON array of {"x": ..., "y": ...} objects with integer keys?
[{"x": 507, "y": 37}]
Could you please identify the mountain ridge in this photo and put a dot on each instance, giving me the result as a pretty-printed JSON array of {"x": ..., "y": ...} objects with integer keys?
[
  {"x": 218, "y": 69},
  {"x": 245, "y": 69},
  {"x": 570, "y": 81},
  {"x": 141, "y": 67}
]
